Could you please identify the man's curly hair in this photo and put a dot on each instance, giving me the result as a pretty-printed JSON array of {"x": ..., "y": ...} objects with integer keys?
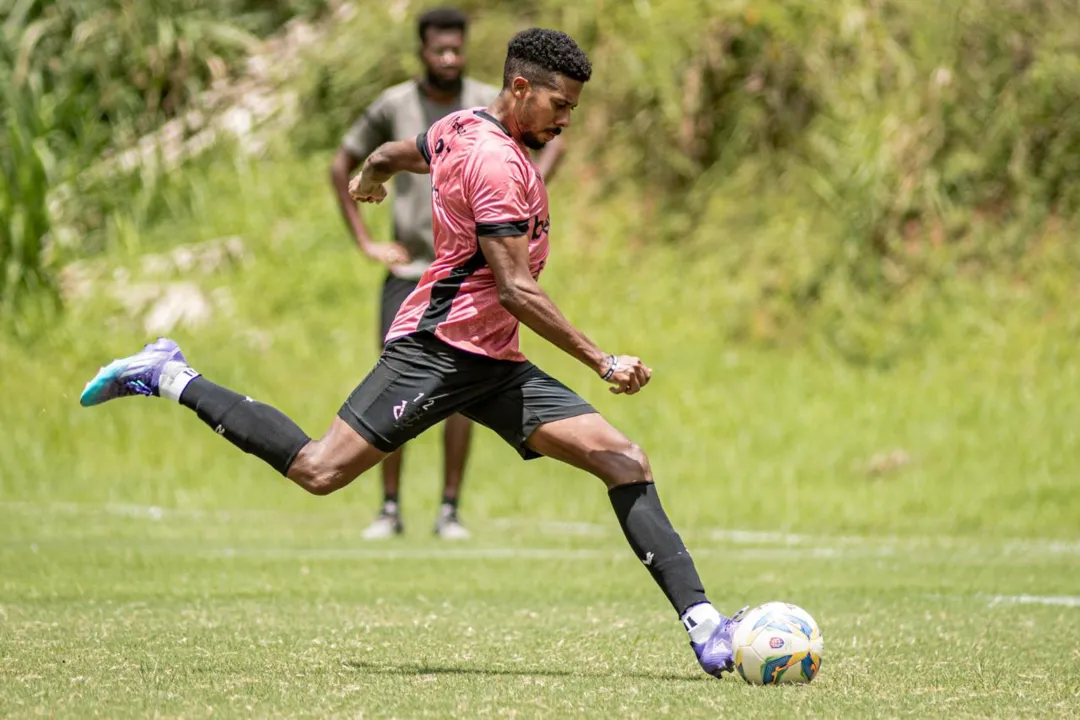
[{"x": 538, "y": 55}]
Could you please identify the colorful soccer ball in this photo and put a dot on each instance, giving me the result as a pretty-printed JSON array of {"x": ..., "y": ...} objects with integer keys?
[{"x": 777, "y": 643}]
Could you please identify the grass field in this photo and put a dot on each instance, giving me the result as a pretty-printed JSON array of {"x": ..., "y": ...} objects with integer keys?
[
  {"x": 130, "y": 611},
  {"x": 926, "y": 512}
]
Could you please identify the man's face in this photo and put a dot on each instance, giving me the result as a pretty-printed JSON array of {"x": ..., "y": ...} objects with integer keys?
[
  {"x": 443, "y": 55},
  {"x": 541, "y": 112}
]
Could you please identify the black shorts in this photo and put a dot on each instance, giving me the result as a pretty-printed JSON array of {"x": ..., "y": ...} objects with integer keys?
[
  {"x": 420, "y": 381},
  {"x": 394, "y": 292}
]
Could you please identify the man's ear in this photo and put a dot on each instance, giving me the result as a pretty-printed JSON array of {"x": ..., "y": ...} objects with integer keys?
[{"x": 519, "y": 87}]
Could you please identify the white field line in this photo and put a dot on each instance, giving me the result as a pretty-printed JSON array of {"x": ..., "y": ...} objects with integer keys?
[
  {"x": 992, "y": 601},
  {"x": 182, "y": 549},
  {"x": 770, "y": 544},
  {"x": 504, "y": 553},
  {"x": 1060, "y": 600},
  {"x": 763, "y": 556},
  {"x": 522, "y": 553},
  {"x": 148, "y": 512},
  {"x": 898, "y": 544},
  {"x": 156, "y": 513}
]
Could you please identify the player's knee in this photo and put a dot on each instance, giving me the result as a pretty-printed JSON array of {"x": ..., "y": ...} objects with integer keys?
[
  {"x": 325, "y": 482},
  {"x": 316, "y": 475},
  {"x": 642, "y": 471},
  {"x": 627, "y": 465}
]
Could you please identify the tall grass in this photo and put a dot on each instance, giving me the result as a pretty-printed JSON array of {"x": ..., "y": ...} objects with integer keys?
[
  {"x": 841, "y": 164},
  {"x": 79, "y": 79},
  {"x": 24, "y": 216},
  {"x": 985, "y": 414}
]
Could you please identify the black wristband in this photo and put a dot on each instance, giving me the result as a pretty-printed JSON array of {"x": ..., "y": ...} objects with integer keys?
[{"x": 611, "y": 368}]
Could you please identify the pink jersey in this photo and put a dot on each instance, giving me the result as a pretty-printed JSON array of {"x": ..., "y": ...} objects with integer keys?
[{"x": 484, "y": 184}]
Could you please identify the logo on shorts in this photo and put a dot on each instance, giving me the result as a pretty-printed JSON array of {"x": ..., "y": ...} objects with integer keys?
[
  {"x": 402, "y": 410},
  {"x": 776, "y": 643}
]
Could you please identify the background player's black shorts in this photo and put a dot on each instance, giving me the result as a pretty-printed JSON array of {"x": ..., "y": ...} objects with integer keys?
[
  {"x": 394, "y": 292},
  {"x": 420, "y": 381}
]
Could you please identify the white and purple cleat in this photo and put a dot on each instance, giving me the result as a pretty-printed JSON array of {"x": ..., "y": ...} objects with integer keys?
[
  {"x": 715, "y": 655},
  {"x": 139, "y": 374}
]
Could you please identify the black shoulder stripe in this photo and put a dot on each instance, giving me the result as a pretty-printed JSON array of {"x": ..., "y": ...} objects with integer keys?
[
  {"x": 502, "y": 229},
  {"x": 421, "y": 145}
]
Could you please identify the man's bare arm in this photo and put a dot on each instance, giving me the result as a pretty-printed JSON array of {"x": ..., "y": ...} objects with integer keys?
[
  {"x": 522, "y": 296},
  {"x": 388, "y": 160}
]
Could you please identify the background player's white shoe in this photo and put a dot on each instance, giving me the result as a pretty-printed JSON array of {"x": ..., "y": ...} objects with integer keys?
[
  {"x": 385, "y": 526},
  {"x": 448, "y": 527}
]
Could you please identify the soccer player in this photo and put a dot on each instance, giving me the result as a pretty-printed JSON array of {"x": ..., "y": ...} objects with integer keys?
[
  {"x": 402, "y": 112},
  {"x": 453, "y": 346}
]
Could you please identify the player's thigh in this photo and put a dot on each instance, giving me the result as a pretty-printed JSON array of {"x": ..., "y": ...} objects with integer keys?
[
  {"x": 413, "y": 386},
  {"x": 527, "y": 399}
]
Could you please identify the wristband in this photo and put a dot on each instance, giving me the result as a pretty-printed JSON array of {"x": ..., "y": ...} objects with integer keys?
[{"x": 611, "y": 368}]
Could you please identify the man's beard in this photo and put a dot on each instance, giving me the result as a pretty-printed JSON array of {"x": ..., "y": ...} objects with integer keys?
[
  {"x": 533, "y": 141},
  {"x": 444, "y": 85}
]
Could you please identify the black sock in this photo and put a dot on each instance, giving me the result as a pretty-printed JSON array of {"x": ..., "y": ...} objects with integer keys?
[
  {"x": 656, "y": 544},
  {"x": 448, "y": 508},
  {"x": 253, "y": 427},
  {"x": 390, "y": 504}
]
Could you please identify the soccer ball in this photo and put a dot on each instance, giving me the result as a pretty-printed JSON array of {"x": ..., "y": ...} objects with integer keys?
[{"x": 777, "y": 643}]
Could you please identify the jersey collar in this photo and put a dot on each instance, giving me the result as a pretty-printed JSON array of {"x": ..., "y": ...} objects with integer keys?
[{"x": 491, "y": 118}]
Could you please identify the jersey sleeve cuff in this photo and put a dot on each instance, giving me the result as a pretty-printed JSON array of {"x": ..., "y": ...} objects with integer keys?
[
  {"x": 513, "y": 228},
  {"x": 421, "y": 145}
]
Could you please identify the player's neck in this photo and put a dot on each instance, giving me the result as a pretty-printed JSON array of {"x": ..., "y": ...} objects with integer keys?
[{"x": 501, "y": 110}]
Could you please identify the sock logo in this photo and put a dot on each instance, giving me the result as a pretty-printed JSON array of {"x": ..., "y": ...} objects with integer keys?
[{"x": 648, "y": 559}]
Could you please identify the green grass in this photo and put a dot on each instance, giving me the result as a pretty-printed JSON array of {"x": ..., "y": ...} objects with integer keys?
[
  {"x": 121, "y": 611},
  {"x": 149, "y": 568},
  {"x": 988, "y": 413}
]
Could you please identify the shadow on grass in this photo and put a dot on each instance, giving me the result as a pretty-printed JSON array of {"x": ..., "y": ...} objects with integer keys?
[{"x": 378, "y": 668}]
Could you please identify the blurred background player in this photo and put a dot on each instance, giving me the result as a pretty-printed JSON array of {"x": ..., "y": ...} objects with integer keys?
[{"x": 404, "y": 111}]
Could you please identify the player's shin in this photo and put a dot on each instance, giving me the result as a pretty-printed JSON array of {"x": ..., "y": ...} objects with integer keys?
[
  {"x": 254, "y": 427},
  {"x": 661, "y": 550}
]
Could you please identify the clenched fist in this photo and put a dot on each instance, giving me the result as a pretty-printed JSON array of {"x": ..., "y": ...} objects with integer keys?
[{"x": 366, "y": 192}]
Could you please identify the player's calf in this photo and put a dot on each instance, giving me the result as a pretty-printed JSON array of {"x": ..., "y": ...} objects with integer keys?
[{"x": 254, "y": 427}]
